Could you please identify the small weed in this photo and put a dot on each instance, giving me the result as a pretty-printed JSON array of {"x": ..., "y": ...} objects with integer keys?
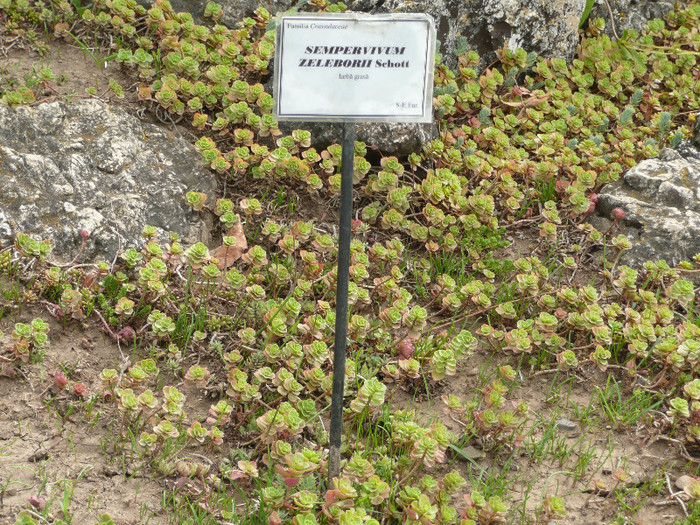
[{"x": 623, "y": 411}]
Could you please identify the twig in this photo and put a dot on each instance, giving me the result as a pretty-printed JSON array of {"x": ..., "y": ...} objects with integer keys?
[
  {"x": 543, "y": 372},
  {"x": 684, "y": 454},
  {"x": 12, "y": 43},
  {"x": 612, "y": 19},
  {"x": 36, "y": 515},
  {"x": 106, "y": 327},
  {"x": 675, "y": 495},
  {"x": 193, "y": 454},
  {"x": 457, "y": 421}
]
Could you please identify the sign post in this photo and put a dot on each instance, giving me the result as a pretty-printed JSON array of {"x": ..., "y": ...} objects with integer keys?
[
  {"x": 351, "y": 68},
  {"x": 341, "y": 300}
]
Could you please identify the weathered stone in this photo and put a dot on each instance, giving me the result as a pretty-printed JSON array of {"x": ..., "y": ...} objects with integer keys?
[
  {"x": 397, "y": 138},
  {"x": 392, "y": 138},
  {"x": 85, "y": 165},
  {"x": 629, "y": 14},
  {"x": 546, "y": 27},
  {"x": 661, "y": 201},
  {"x": 565, "y": 424}
]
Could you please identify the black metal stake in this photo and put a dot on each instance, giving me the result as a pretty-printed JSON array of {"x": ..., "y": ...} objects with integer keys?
[{"x": 341, "y": 301}]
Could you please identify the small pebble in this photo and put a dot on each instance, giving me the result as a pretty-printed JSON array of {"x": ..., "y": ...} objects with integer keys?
[
  {"x": 565, "y": 424},
  {"x": 683, "y": 481}
]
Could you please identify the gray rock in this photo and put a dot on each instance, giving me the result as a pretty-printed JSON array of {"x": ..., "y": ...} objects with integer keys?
[
  {"x": 661, "y": 201},
  {"x": 629, "y": 14},
  {"x": 684, "y": 481},
  {"x": 85, "y": 165},
  {"x": 565, "y": 424},
  {"x": 546, "y": 27},
  {"x": 392, "y": 138}
]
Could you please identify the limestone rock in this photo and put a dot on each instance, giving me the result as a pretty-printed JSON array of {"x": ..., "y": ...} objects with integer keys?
[
  {"x": 661, "y": 200},
  {"x": 547, "y": 27},
  {"x": 397, "y": 138},
  {"x": 565, "y": 424},
  {"x": 85, "y": 165},
  {"x": 394, "y": 138},
  {"x": 629, "y": 14}
]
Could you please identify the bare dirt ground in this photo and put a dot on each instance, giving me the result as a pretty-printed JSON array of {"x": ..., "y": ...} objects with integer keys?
[
  {"x": 75, "y": 70},
  {"x": 53, "y": 450},
  {"x": 580, "y": 464}
]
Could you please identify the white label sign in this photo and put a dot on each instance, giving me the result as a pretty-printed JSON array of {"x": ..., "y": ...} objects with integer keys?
[{"x": 355, "y": 67}]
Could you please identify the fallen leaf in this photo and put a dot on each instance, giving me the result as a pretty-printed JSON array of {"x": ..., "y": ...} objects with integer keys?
[
  {"x": 227, "y": 255},
  {"x": 524, "y": 104},
  {"x": 90, "y": 278},
  {"x": 531, "y": 101}
]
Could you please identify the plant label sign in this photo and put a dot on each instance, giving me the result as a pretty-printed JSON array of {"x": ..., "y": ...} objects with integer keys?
[{"x": 355, "y": 67}]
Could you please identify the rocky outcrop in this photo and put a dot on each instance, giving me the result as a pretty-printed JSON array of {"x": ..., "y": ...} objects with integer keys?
[
  {"x": 661, "y": 201},
  {"x": 391, "y": 139},
  {"x": 547, "y": 27},
  {"x": 629, "y": 14},
  {"x": 89, "y": 166}
]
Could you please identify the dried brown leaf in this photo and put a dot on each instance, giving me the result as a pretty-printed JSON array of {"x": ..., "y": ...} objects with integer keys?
[{"x": 227, "y": 255}]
